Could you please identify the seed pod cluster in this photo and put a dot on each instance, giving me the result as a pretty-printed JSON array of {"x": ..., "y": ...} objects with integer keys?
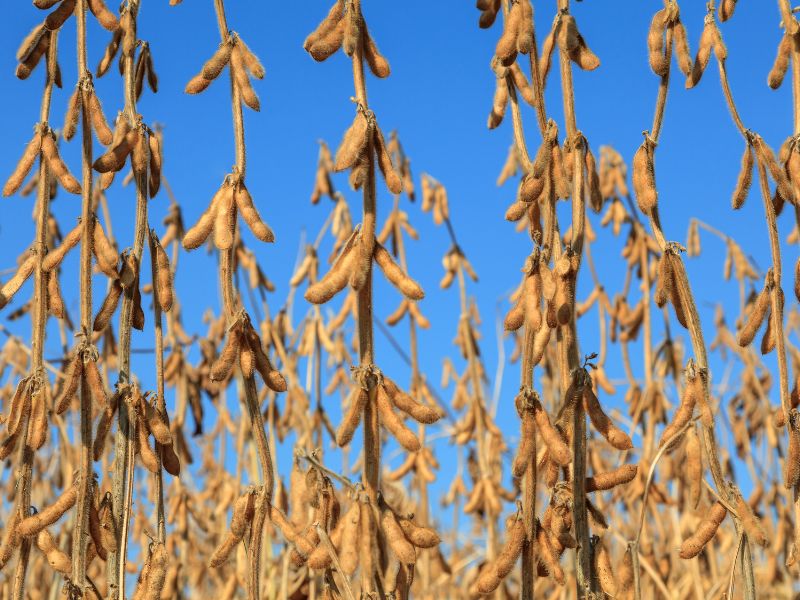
[
  {"x": 571, "y": 42},
  {"x": 667, "y": 286},
  {"x": 710, "y": 39},
  {"x": 243, "y": 64},
  {"x": 344, "y": 27},
  {"x": 243, "y": 512},
  {"x": 231, "y": 198},
  {"x": 387, "y": 396}
]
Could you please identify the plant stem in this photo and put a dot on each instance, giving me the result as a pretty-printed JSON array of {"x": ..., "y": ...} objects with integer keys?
[
  {"x": 230, "y": 307},
  {"x": 87, "y": 223},
  {"x": 124, "y": 464},
  {"x": 39, "y": 317}
]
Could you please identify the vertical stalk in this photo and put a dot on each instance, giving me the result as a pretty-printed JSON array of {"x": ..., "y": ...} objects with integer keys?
[
  {"x": 87, "y": 222},
  {"x": 160, "y": 399},
  {"x": 569, "y": 338},
  {"x": 124, "y": 464},
  {"x": 39, "y": 315},
  {"x": 246, "y": 384}
]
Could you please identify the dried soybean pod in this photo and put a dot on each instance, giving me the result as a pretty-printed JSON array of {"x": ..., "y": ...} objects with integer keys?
[
  {"x": 336, "y": 278},
  {"x": 225, "y": 220},
  {"x": 108, "y": 307},
  {"x": 20, "y": 406},
  {"x": 57, "y": 165},
  {"x": 156, "y": 424},
  {"x": 766, "y": 156},
  {"x": 244, "y": 203},
  {"x": 375, "y": 60},
  {"x": 770, "y": 337},
  {"x": 251, "y": 62},
  {"x": 329, "y": 43},
  {"x": 246, "y": 360},
  {"x": 163, "y": 276},
  {"x": 73, "y": 379},
  {"x": 416, "y": 410},
  {"x": 54, "y": 257},
  {"x": 32, "y": 57},
  {"x": 703, "y": 53},
  {"x": 499, "y": 103},
  {"x": 37, "y": 434},
  {"x": 103, "y": 250},
  {"x": 726, "y": 8},
  {"x": 409, "y": 288},
  {"x": 72, "y": 113},
  {"x": 348, "y": 549},
  {"x": 221, "y": 368},
  {"x": 394, "y": 424},
  {"x": 328, "y": 24},
  {"x": 146, "y": 452},
  {"x": 655, "y": 43},
  {"x": 396, "y": 539},
  {"x": 95, "y": 530},
  {"x": 114, "y": 158},
  {"x": 199, "y": 232},
  {"x": 691, "y": 394},
  {"x": 615, "y": 436},
  {"x": 103, "y": 427},
  {"x": 110, "y": 53},
  {"x": 92, "y": 375},
  {"x": 353, "y": 143},
  {"x": 57, "y": 559},
  {"x": 239, "y": 72},
  {"x": 745, "y": 178},
  {"x": 547, "y": 555},
  {"x": 140, "y": 153},
  {"x": 556, "y": 446},
  {"x": 694, "y": 467},
  {"x": 515, "y": 317},
  {"x": 271, "y": 376},
  {"x": 681, "y": 44},
  {"x": 214, "y": 65},
  {"x": 610, "y": 479},
  {"x": 55, "y": 303},
  {"x": 352, "y": 418},
  {"x": 353, "y": 24},
  {"x": 750, "y": 522},
  {"x": 756, "y": 317},
  {"x": 706, "y": 530},
  {"x": 781, "y": 64},
  {"x": 30, "y": 41},
  {"x": 421, "y": 537},
  {"x": 156, "y": 160},
  {"x": 644, "y": 185},
  {"x": 791, "y": 464},
  {"x": 170, "y": 460},
  {"x": 602, "y": 567},
  {"x": 393, "y": 181},
  {"x": 57, "y": 18},
  {"x": 137, "y": 320},
  {"x": 506, "y": 49},
  {"x": 32, "y": 525},
  {"x": 158, "y": 572},
  {"x": 12, "y": 286},
  {"x": 527, "y": 444},
  {"x": 104, "y": 16},
  {"x": 24, "y": 165}
]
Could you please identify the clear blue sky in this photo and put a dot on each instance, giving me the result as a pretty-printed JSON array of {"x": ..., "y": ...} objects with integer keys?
[{"x": 437, "y": 97}]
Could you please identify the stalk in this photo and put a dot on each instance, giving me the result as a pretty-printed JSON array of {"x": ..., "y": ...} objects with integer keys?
[
  {"x": 87, "y": 221},
  {"x": 246, "y": 384},
  {"x": 39, "y": 314},
  {"x": 123, "y": 440}
]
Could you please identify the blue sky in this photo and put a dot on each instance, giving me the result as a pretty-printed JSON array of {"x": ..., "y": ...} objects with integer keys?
[{"x": 437, "y": 97}]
